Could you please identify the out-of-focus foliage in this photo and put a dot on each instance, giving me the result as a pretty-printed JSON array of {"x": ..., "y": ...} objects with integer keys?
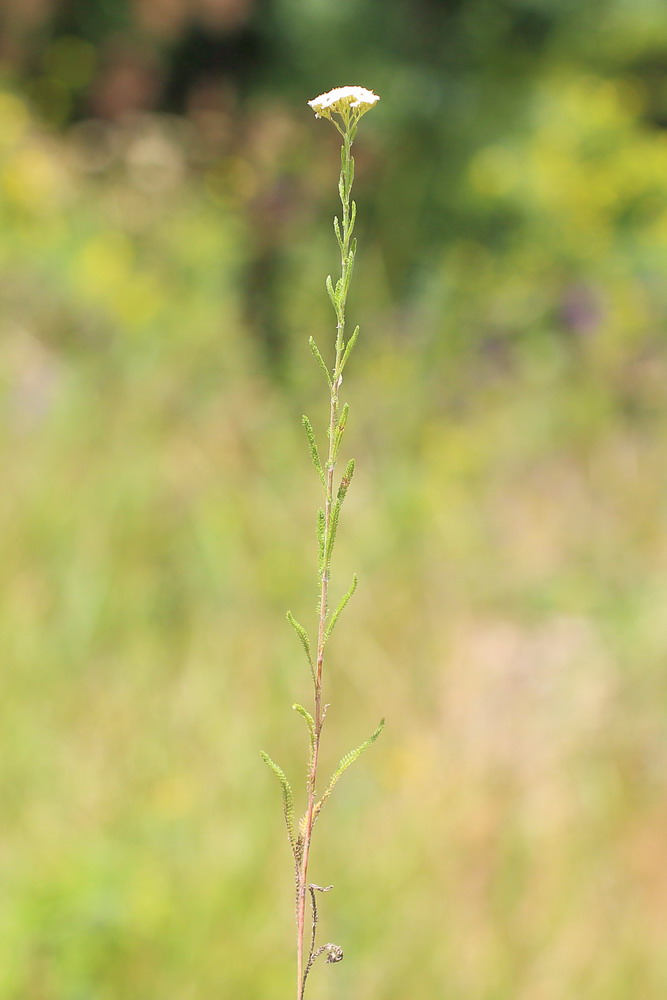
[{"x": 161, "y": 268}]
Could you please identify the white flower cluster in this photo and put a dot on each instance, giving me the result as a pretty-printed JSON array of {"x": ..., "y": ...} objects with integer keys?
[{"x": 342, "y": 101}]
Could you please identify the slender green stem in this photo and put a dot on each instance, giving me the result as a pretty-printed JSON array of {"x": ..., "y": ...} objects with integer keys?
[
  {"x": 344, "y": 107},
  {"x": 330, "y": 517}
]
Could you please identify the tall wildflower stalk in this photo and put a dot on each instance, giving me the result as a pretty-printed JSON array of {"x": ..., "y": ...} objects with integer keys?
[{"x": 343, "y": 107}]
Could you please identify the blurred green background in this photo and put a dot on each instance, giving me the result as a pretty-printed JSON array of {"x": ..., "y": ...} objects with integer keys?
[{"x": 165, "y": 207}]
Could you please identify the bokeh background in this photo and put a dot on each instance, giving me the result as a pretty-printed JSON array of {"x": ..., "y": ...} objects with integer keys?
[{"x": 165, "y": 207}]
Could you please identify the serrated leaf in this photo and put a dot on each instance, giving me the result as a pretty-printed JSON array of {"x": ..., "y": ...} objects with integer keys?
[
  {"x": 320, "y": 360},
  {"x": 348, "y": 267},
  {"x": 341, "y": 607},
  {"x": 343, "y": 765},
  {"x": 339, "y": 238},
  {"x": 330, "y": 290},
  {"x": 321, "y": 529},
  {"x": 314, "y": 453},
  {"x": 345, "y": 481},
  {"x": 331, "y": 534},
  {"x": 340, "y": 427},
  {"x": 303, "y": 823},
  {"x": 349, "y": 347},
  {"x": 288, "y": 797},
  {"x": 303, "y": 638},
  {"x": 309, "y": 720}
]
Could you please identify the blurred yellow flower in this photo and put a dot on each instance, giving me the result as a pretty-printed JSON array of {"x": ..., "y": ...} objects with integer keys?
[
  {"x": 33, "y": 179},
  {"x": 14, "y": 119}
]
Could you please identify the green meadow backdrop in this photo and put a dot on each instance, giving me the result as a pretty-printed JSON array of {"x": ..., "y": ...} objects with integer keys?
[{"x": 165, "y": 230}]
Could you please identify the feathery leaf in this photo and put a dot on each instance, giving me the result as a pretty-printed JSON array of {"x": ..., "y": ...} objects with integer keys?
[
  {"x": 344, "y": 763},
  {"x": 332, "y": 294},
  {"x": 340, "y": 427},
  {"x": 321, "y": 528},
  {"x": 339, "y": 238},
  {"x": 348, "y": 267},
  {"x": 349, "y": 347},
  {"x": 288, "y": 797},
  {"x": 320, "y": 360},
  {"x": 331, "y": 536},
  {"x": 314, "y": 453},
  {"x": 341, "y": 607},
  {"x": 345, "y": 481},
  {"x": 303, "y": 638},
  {"x": 309, "y": 720}
]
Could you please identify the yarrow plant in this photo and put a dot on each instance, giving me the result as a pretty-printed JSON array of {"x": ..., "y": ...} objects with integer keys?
[{"x": 343, "y": 107}]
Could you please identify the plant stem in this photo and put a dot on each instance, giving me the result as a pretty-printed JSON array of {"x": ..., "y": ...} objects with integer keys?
[{"x": 345, "y": 187}]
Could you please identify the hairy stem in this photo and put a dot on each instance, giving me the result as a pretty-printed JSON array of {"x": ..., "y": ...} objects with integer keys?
[{"x": 329, "y": 501}]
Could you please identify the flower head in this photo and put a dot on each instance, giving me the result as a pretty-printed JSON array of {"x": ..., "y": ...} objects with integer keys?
[{"x": 350, "y": 103}]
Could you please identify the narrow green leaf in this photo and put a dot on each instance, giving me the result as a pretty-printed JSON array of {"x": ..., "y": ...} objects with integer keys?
[
  {"x": 303, "y": 638},
  {"x": 333, "y": 528},
  {"x": 349, "y": 347},
  {"x": 353, "y": 218},
  {"x": 320, "y": 360},
  {"x": 348, "y": 267},
  {"x": 330, "y": 290},
  {"x": 309, "y": 720},
  {"x": 339, "y": 238},
  {"x": 340, "y": 427},
  {"x": 344, "y": 763},
  {"x": 288, "y": 797},
  {"x": 345, "y": 481},
  {"x": 303, "y": 827},
  {"x": 314, "y": 453},
  {"x": 321, "y": 528},
  {"x": 341, "y": 607}
]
